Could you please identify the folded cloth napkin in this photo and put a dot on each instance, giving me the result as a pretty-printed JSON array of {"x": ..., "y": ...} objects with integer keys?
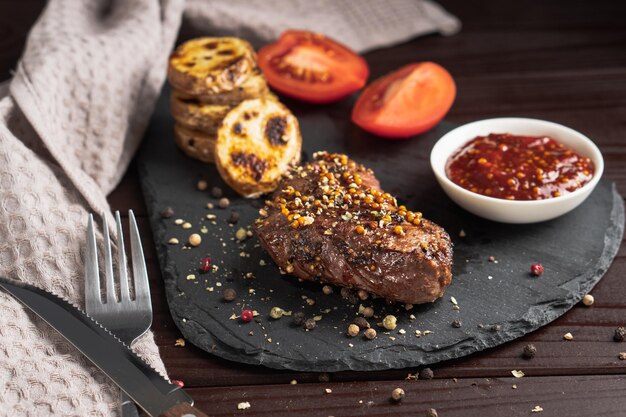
[{"x": 70, "y": 122}]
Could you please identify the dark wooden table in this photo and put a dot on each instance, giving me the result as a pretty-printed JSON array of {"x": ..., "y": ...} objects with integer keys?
[{"x": 563, "y": 61}]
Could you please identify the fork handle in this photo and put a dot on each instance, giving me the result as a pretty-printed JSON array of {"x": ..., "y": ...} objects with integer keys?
[
  {"x": 183, "y": 409},
  {"x": 129, "y": 409}
]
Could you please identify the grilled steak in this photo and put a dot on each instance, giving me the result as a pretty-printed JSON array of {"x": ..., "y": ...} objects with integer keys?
[{"x": 329, "y": 221}]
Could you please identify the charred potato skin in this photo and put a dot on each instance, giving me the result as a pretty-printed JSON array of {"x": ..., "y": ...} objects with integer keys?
[
  {"x": 251, "y": 154},
  {"x": 195, "y": 144}
]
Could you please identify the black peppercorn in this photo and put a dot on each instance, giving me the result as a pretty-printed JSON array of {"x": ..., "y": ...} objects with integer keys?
[
  {"x": 229, "y": 294},
  {"x": 310, "y": 324},
  {"x": 298, "y": 318},
  {"x": 361, "y": 322},
  {"x": 426, "y": 373},
  {"x": 529, "y": 351},
  {"x": 620, "y": 334},
  {"x": 167, "y": 212},
  {"x": 234, "y": 217},
  {"x": 216, "y": 192}
]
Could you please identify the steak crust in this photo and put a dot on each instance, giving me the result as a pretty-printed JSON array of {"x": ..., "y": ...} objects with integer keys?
[{"x": 329, "y": 221}]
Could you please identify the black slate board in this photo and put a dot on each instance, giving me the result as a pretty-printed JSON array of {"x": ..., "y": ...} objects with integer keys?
[{"x": 499, "y": 301}]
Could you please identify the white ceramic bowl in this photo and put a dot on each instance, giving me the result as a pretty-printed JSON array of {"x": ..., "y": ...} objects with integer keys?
[{"x": 507, "y": 211}]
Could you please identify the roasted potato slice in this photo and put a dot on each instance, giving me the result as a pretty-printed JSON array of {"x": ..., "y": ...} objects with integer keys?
[
  {"x": 191, "y": 113},
  {"x": 211, "y": 65},
  {"x": 196, "y": 144},
  {"x": 256, "y": 143},
  {"x": 253, "y": 87}
]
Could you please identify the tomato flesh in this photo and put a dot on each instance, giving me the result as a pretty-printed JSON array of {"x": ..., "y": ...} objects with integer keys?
[
  {"x": 311, "y": 67},
  {"x": 405, "y": 102}
]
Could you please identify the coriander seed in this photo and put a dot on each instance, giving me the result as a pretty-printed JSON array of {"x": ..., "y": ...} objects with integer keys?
[
  {"x": 195, "y": 239},
  {"x": 223, "y": 203},
  {"x": 327, "y": 289},
  {"x": 353, "y": 330},
  {"x": 202, "y": 185},
  {"x": 370, "y": 334},
  {"x": 368, "y": 312},
  {"x": 588, "y": 300},
  {"x": 276, "y": 313},
  {"x": 363, "y": 295},
  {"x": 397, "y": 394},
  {"x": 390, "y": 322}
]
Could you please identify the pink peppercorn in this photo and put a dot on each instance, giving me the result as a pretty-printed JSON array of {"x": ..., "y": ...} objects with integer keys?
[
  {"x": 247, "y": 315},
  {"x": 205, "y": 264},
  {"x": 178, "y": 383},
  {"x": 536, "y": 269}
]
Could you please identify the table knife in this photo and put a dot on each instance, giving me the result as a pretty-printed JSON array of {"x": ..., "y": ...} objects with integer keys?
[{"x": 151, "y": 391}]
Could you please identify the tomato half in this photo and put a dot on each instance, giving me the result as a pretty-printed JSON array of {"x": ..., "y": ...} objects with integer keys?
[
  {"x": 311, "y": 67},
  {"x": 405, "y": 102}
]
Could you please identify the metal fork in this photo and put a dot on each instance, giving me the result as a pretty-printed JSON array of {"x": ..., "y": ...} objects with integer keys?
[{"x": 126, "y": 317}]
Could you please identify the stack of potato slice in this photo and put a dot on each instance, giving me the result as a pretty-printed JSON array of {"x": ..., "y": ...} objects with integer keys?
[{"x": 225, "y": 114}]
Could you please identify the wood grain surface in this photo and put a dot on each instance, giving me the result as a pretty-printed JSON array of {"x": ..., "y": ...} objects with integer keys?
[{"x": 563, "y": 61}]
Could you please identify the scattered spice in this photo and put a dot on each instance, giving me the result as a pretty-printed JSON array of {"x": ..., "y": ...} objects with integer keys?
[
  {"x": 368, "y": 312},
  {"x": 453, "y": 301},
  {"x": 293, "y": 382},
  {"x": 167, "y": 212},
  {"x": 202, "y": 185},
  {"x": 323, "y": 377},
  {"x": 568, "y": 336},
  {"x": 353, "y": 330},
  {"x": 588, "y": 300},
  {"x": 456, "y": 323},
  {"x": 361, "y": 322},
  {"x": 216, "y": 192},
  {"x": 298, "y": 318},
  {"x": 397, "y": 394},
  {"x": 537, "y": 409},
  {"x": 210, "y": 206},
  {"x": 173, "y": 241},
  {"x": 205, "y": 264},
  {"x": 240, "y": 234},
  {"x": 536, "y": 270},
  {"x": 462, "y": 233},
  {"x": 529, "y": 351},
  {"x": 178, "y": 383},
  {"x": 276, "y": 313},
  {"x": 431, "y": 412},
  {"x": 427, "y": 373},
  {"x": 390, "y": 322},
  {"x": 620, "y": 334},
  {"x": 243, "y": 405},
  {"x": 327, "y": 289},
  {"x": 180, "y": 342},
  {"x": 186, "y": 225},
  {"x": 223, "y": 203},
  {"x": 229, "y": 294},
  {"x": 370, "y": 334},
  {"x": 310, "y": 324},
  {"x": 310, "y": 301},
  {"x": 328, "y": 391},
  {"x": 622, "y": 356},
  {"x": 178, "y": 222},
  {"x": 493, "y": 259},
  {"x": 195, "y": 239},
  {"x": 363, "y": 295},
  {"x": 246, "y": 316},
  {"x": 234, "y": 217},
  {"x": 518, "y": 374}
]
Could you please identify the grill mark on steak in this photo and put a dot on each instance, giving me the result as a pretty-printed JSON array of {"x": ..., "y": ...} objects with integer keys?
[{"x": 330, "y": 221}]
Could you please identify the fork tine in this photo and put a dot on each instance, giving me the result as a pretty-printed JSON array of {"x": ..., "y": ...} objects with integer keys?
[
  {"x": 92, "y": 279},
  {"x": 108, "y": 263},
  {"x": 121, "y": 259},
  {"x": 140, "y": 273}
]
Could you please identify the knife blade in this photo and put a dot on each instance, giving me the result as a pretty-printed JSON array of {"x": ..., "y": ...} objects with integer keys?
[{"x": 151, "y": 391}]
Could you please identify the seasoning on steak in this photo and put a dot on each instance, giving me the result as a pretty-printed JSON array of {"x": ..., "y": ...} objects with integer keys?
[{"x": 329, "y": 221}]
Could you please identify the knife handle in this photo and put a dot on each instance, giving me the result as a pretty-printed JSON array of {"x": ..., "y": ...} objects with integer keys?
[{"x": 183, "y": 409}]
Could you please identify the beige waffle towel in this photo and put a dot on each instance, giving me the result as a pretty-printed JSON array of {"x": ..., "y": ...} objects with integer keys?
[{"x": 70, "y": 123}]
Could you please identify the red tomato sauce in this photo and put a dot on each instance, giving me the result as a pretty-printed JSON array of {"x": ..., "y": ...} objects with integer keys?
[{"x": 511, "y": 167}]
